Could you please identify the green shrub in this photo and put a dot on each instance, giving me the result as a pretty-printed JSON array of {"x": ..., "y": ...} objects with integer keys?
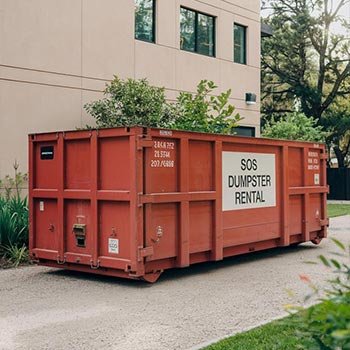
[
  {"x": 13, "y": 221},
  {"x": 135, "y": 102},
  {"x": 128, "y": 103},
  {"x": 294, "y": 126},
  {"x": 16, "y": 255},
  {"x": 14, "y": 228},
  {"x": 205, "y": 113},
  {"x": 329, "y": 322}
]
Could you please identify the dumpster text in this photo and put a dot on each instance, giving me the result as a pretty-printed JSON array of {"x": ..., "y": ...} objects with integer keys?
[
  {"x": 163, "y": 154},
  {"x": 248, "y": 180}
]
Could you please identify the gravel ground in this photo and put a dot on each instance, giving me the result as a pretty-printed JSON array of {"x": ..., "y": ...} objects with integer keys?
[{"x": 43, "y": 308}]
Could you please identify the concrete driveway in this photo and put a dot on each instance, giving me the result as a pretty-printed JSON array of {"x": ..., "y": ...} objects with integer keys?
[{"x": 42, "y": 308}]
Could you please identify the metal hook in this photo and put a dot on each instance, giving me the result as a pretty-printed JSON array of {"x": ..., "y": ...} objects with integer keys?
[{"x": 95, "y": 267}]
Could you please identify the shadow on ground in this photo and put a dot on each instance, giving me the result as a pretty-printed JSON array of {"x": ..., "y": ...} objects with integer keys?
[{"x": 193, "y": 270}]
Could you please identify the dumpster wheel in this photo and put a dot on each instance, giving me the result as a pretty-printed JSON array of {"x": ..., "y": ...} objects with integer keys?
[
  {"x": 316, "y": 240},
  {"x": 152, "y": 277}
]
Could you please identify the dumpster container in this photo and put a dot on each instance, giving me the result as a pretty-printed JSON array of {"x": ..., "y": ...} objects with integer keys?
[{"x": 132, "y": 202}]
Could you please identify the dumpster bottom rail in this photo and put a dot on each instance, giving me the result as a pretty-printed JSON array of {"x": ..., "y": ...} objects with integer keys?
[{"x": 151, "y": 274}]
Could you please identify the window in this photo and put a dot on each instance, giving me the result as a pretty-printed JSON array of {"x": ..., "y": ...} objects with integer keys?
[
  {"x": 240, "y": 44},
  {"x": 245, "y": 131},
  {"x": 197, "y": 32},
  {"x": 145, "y": 11}
]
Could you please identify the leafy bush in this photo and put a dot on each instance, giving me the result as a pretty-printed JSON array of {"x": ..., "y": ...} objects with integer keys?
[
  {"x": 129, "y": 103},
  {"x": 135, "y": 102},
  {"x": 294, "y": 126},
  {"x": 329, "y": 322},
  {"x": 201, "y": 112},
  {"x": 16, "y": 255},
  {"x": 14, "y": 220}
]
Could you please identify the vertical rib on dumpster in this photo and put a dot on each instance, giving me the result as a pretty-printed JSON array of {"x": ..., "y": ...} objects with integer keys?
[
  {"x": 285, "y": 238},
  {"x": 324, "y": 194},
  {"x": 93, "y": 198},
  {"x": 137, "y": 264},
  {"x": 218, "y": 250},
  {"x": 31, "y": 187},
  {"x": 306, "y": 199},
  {"x": 184, "y": 239},
  {"x": 140, "y": 240},
  {"x": 60, "y": 198}
]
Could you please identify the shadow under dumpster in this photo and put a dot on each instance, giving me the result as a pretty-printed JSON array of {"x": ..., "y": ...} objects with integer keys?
[{"x": 179, "y": 274}]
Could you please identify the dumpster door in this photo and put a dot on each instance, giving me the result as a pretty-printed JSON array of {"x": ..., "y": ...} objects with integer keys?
[{"x": 161, "y": 186}]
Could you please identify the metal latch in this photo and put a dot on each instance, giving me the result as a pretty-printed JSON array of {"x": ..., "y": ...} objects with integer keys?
[
  {"x": 80, "y": 234},
  {"x": 144, "y": 142},
  {"x": 145, "y": 252}
]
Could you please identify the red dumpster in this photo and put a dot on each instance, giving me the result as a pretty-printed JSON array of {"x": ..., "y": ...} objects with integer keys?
[{"x": 132, "y": 202}]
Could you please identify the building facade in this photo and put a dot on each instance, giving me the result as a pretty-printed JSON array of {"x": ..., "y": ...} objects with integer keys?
[{"x": 57, "y": 55}]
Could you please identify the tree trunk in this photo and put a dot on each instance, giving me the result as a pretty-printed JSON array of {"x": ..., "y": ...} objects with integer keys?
[{"x": 340, "y": 157}]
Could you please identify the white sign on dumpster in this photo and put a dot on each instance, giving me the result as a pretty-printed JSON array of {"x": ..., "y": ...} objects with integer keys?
[
  {"x": 113, "y": 246},
  {"x": 248, "y": 180}
]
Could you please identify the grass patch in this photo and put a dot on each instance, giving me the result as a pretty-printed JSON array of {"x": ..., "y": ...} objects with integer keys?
[
  {"x": 335, "y": 210},
  {"x": 323, "y": 326},
  {"x": 277, "y": 335}
]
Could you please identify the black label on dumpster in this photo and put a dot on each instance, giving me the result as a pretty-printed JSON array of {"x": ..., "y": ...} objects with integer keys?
[{"x": 46, "y": 152}]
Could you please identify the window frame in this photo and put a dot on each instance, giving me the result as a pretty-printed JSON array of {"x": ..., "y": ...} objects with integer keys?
[
  {"x": 154, "y": 18},
  {"x": 245, "y": 28},
  {"x": 197, "y": 13}
]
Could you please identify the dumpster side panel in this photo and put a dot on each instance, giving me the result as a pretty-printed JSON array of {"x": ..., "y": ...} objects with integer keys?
[
  {"x": 201, "y": 166},
  {"x": 114, "y": 240},
  {"x": 42, "y": 154},
  {"x": 230, "y": 195},
  {"x": 78, "y": 164},
  {"x": 253, "y": 218},
  {"x": 46, "y": 223},
  {"x": 132, "y": 202},
  {"x": 83, "y": 199},
  {"x": 114, "y": 164},
  {"x": 201, "y": 226}
]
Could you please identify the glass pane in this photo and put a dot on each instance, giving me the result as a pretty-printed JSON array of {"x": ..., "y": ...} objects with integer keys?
[
  {"x": 144, "y": 26},
  {"x": 245, "y": 131},
  {"x": 187, "y": 30},
  {"x": 205, "y": 36},
  {"x": 239, "y": 44}
]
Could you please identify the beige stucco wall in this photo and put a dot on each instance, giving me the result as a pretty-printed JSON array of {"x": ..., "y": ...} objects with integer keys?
[{"x": 56, "y": 55}]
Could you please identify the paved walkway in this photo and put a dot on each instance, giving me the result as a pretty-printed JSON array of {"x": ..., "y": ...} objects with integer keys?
[
  {"x": 337, "y": 202},
  {"x": 42, "y": 308}
]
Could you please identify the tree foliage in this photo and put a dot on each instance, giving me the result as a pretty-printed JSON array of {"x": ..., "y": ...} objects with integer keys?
[
  {"x": 337, "y": 122},
  {"x": 294, "y": 126},
  {"x": 304, "y": 62},
  {"x": 135, "y": 102},
  {"x": 306, "y": 66}
]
